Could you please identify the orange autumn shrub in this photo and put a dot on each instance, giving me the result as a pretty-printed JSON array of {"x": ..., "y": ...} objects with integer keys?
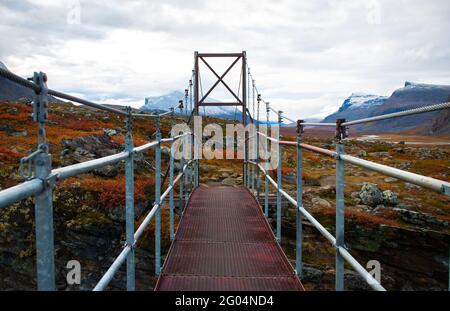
[
  {"x": 9, "y": 156},
  {"x": 363, "y": 218},
  {"x": 111, "y": 192},
  {"x": 85, "y": 125}
]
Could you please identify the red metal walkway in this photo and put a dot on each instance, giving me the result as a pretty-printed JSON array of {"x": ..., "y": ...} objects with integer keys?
[{"x": 224, "y": 243}]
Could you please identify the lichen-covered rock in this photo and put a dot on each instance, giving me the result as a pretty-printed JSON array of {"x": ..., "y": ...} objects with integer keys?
[
  {"x": 310, "y": 181},
  {"x": 371, "y": 195},
  {"x": 390, "y": 198},
  {"x": 318, "y": 202},
  {"x": 110, "y": 132},
  {"x": 207, "y": 168},
  {"x": 23, "y": 133},
  {"x": 362, "y": 154},
  {"x": 165, "y": 152},
  {"x": 421, "y": 219},
  {"x": 88, "y": 147},
  {"x": 390, "y": 179},
  {"x": 107, "y": 171},
  {"x": 290, "y": 178},
  {"x": 230, "y": 181}
]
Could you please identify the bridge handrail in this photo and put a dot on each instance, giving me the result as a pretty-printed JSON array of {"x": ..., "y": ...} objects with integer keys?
[
  {"x": 23, "y": 190},
  {"x": 37, "y": 89},
  {"x": 348, "y": 257},
  {"x": 342, "y": 254},
  {"x": 40, "y": 184},
  {"x": 109, "y": 274},
  {"x": 434, "y": 184}
]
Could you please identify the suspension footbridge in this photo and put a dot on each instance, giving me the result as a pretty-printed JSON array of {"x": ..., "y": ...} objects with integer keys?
[{"x": 223, "y": 241}]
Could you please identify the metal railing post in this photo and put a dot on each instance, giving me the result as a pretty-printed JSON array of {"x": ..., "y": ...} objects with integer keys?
[
  {"x": 252, "y": 140},
  {"x": 245, "y": 160},
  {"x": 299, "y": 216},
  {"x": 252, "y": 172},
  {"x": 186, "y": 94},
  {"x": 266, "y": 179},
  {"x": 158, "y": 199},
  {"x": 248, "y": 163},
  {"x": 258, "y": 177},
  {"x": 340, "y": 220},
  {"x": 192, "y": 164},
  {"x": 196, "y": 156},
  {"x": 186, "y": 175},
  {"x": 129, "y": 201},
  {"x": 279, "y": 177},
  {"x": 171, "y": 203},
  {"x": 45, "y": 260},
  {"x": 181, "y": 182}
]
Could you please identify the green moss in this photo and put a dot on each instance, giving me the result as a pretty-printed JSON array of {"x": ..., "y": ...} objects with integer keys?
[
  {"x": 367, "y": 245},
  {"x": 88, "y": 216},
  {"x": 3, "y": 227}
]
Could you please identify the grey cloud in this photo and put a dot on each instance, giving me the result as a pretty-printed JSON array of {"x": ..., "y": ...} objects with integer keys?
[{"x": 298, "y": 50}]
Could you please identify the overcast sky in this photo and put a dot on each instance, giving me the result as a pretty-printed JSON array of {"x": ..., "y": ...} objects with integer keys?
[{"x": 306, "y": 56}]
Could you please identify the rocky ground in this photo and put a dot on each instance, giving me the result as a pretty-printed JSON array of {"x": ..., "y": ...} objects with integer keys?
[{"x": 404, "y": 227}]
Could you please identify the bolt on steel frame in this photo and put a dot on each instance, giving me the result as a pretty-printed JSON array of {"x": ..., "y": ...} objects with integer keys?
[
  {"x": 40, "y": 184},
  {"x": 342, "y": 254}
]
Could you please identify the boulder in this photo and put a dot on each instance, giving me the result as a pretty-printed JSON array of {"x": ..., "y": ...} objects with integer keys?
[
  {"x": 13, "y": 110},
  {"x": 8, "y": 128},
  {"x": 420, "y": 219},
  {"x": 207, "y": 168},
  {"x": 371, "y": 195},
  {"x": 412, "y": 186},
  {"x": 313, "y": 182},
  {"x": 165, "y": 152},
  {"x": 319, "y": 202},
  {"x": 290, "y": 178},
  {"x": 390, "y": 179},
  {"x": 20, "y": 133},
  {"x": 87, "y": 148},
  {"x": 362, "y": 154},
  {"x": 107, "y": 171},
  {"x": 390, "y": 198},
  {"x": 110, "y": 132},
  {"x": 229, "y": 181}
]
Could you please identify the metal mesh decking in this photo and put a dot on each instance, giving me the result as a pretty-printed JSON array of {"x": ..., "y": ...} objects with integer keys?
[{"x": 224, "y": 243}]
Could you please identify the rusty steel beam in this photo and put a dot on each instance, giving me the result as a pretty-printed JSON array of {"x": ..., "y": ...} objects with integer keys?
[
  {"x": 220, "y": 79},
  {"x": 219, "y": 54}
]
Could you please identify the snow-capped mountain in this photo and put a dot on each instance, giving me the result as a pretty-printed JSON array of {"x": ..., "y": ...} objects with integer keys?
[
  {"x": 357, "y": 106},
  {"x": 2, "y": 66},
  {"x": 412, "y": 95},
  {"x": 360, "y": 100},
  {"x": 167, "y": 101}
]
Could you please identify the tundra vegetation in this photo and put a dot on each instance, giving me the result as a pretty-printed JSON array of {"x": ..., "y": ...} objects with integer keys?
[{"x": 405, "y": 227}]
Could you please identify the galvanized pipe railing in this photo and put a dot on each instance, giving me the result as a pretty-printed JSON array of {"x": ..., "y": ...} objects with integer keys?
[
  {"x": 341, "y": 249},
  {"x": 115, "y": 266},
  {"x": 40, "y": 184},
  {"x": 342, "y": 254}
]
